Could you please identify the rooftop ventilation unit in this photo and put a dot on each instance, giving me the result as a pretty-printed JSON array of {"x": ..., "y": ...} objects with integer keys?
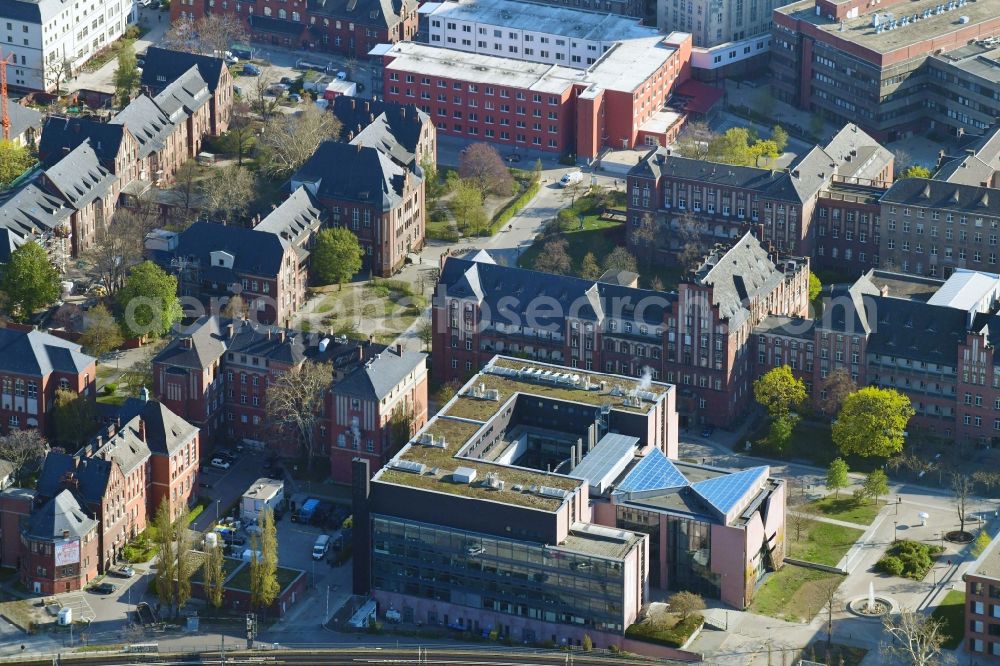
[
  {"x": 648, "y": 396},
  {"x": 556, "y": 493},
  {"x": 410, "y": 466}
]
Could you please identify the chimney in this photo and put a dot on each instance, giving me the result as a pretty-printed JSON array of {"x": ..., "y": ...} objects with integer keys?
[
  {"x": 144, "y": 394},
  {"x": 186, "y": 343},
  {"x": 361, "y": 354},
  {"x": 366, "y": 105},
  {"x": 142, "y": 429},
  {"x": 281, "y": 336},
  {"x": 399, "y": 349},
  {"x": 353, "y": 103},
  {"x": 230, "y": 330},
  {"x": 795, "y": 173},
  {"x": 99, "y": 440}
]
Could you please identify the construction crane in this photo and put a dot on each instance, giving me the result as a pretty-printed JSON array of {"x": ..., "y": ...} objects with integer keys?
[{"x": 4, "y": 117}]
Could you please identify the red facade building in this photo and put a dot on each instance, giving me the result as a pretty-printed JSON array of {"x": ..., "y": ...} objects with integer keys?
[{"x": 59, "y": 547}]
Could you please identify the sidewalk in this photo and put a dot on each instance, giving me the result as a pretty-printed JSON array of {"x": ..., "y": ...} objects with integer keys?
[{"x": 102, "y": 78}]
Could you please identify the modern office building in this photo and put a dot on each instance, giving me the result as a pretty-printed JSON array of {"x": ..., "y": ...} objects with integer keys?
[
  {"x": 531, "y": 505},
  {"x": 963, "y": 84},
  {"x": 617, "y": 101},
  {"x": 873, "y": 64},
  {"x": 49, "y": 36}
]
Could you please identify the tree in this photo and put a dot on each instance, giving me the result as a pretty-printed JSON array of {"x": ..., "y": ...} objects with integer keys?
[
  {"x": 264, "y": 586},
  {"x": 295, "y": 402},
  {"x": 185, "y": 563},
  {"x": 780, "y": 138},
  {"x": 262, "y": 101},
  {"x": 15, "y": 159},
  {"x": 163, "y": 538},
  {"x": 915, "y": 171},
  {"x": 228, "y": 192},
  {"x": 620, "y": 259},
  {"x": 588, "y": 643},
  {"x": 119, "y": 244},
  {"x": 235, "y": 308},
  {"x": 981, "y": 543},
  {"x": 148, "y": 302},
  {"x": 29, "y": 280},
  {"x": 815, "y": 286},
  {"x": 213, "y": 575},
  {"x": 72, "y": 417},
  {"x": 57, "y": 71},
  {"x": 467, "y": 206},
  {"x": 800, "y": 518},
  {"x": 101, "y": 333},
  {"x": 554, "y": 257},
  {"x": 21, "y": 448},
  {"x": 835, "y": 389},
  {"x": 876, "y": 484},
  {"x": 694, "y": 140},
  {"x": 433, "y": 187},
  {"x": 210, "y": 35},
  {"x": 336, "y": 256},
  {"x": 425, "y": 332},
  {"x": 401, "y": 425},
  {"x": 589, "y": 268},
  {"x": 241, "y": 130},
  {"x": 126, "y": 77},
  {"x": 779, "y": 391},
  {"x": 836, "y": 476},
  {"x": 186, "y": 187},
  {"x": 828, "y": 595},
  {"x": 685, "y": 604},
  {"x": 872, "y": 422},
  {"x": 780, "y": 432},
  {"x": 961, "y": 487},
  {"x": 286, "y": 142},
  {"x": 482, "y": 164},
  {"x": 912, "y": 638}
]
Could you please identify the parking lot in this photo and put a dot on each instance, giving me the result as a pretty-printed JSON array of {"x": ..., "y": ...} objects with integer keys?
[{"x": 82, "y": 610}]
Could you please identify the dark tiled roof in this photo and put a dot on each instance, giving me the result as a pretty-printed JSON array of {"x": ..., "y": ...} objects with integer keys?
[
  {"x": 794, "y": 327},
  {"x": 22, "y": 118},
  {"x": 147, "y": 122},
  {"x": 163, "y": 66},
  {"x": 296, "y": 219},
  {"x": 392, "y": 127},
  {"x": 493, "y": 286},
  {"x": 380, "y": 375},
  {"x": 22, "y": 10},
  {"x": 184, "y": 95},
  {"x": 979, "y": 165},
  {"x": 207, "y": 346},
  {"x": 373, "y": 177},
  {"x": 62, "y": 135},
  {"x": 849, "y": 309},
  {"x": 165, "y": 431},
  {"x": 382, "y": 13},
  {"x": 916, "y": 330},
  {"x": 60, "y": 516},
  {"x": 54, "y": 468},
  {"x": 942, "y": 195},
  {"x": 255, "y": 339},
  {"x": 38, "y": 353},
  {"x": 254, "y": 252},
  {"x": 80, "y": 177},
  {"x": 32, "y": 211},
  {"x": 93, "y": 475},
  {"x": 210, "y": 339}
]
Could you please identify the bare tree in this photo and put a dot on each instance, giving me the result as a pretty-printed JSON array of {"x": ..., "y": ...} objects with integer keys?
[
  {"x": 264, "y": 102},
  {"x": 295, "y": 402},
  {"x": 800, "y": 518},
  {"x": 961, "y": 486},
  {"x": 235, "y": 308},
  {"x": 644, "y": 238},
  {"x": 186, "y": 188},
  {"x": 119, "y": 245},
  {"x": 694, "y": 140},
  {"x": 482, "y": 164},
  {"x": 288, "y": 141},
  {"x": 689, "y": 241},
  {"x": 211, "y": 34},
  {"x": 912, "y": 638},
  {"x": 21, "y": 447},
  {"x": 240, "y": 129},
  {"x": 554, "y": 257},
  {"x": 228, "y": 192},
  {"x": 57, "y": 71},
  {"x": 827, "y": 594},
  {"x": 835, "y": 389}
]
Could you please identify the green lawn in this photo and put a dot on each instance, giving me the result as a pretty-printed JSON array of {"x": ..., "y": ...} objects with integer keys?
[
  {"x": 811, "y": 441},
  {"x": 241, "y": 581},
  {"x": 790, "y": 594},
  {"x": 597, "y": 236},
  {"x": 951, "y": 614},
  {"x": 846, "y": 509},
  {"x": 824, "y": 543}
]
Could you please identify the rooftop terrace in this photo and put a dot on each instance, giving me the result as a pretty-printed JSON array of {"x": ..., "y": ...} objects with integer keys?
[
  {"x": 861, "y": 31},
  {"x": 431, "y": 466}
]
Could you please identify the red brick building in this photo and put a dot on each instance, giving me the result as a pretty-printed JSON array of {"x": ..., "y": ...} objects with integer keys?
[
  {"x": 538, "y": 106},
  {"x": 982, "y": 607},
  {"x": 59, "y": 547},
  {"x": 33, "y": 366},
  {"x": 15, "y": 506},
  {"x": 361, "y": 409},
  {"x": 341, "y": 26},
  {"x": 698, "y": 338}
]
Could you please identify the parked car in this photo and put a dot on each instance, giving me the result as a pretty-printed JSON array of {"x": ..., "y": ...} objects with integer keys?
[
  {"x": 123, "y": 572},
  {"x": 220, "y": 463},
  {"x": 104, "y": 588},
  {"x": 707, "y": 431},
  {"x": 249, "y": 69},
  {"x": 342, "y": 76},
  {"x": 295, "y": 98}
]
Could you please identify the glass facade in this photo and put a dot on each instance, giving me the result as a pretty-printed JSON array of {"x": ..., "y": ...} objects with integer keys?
[
  {"x": 689, "y": 550},
  {"x": 493, "y": 574}
]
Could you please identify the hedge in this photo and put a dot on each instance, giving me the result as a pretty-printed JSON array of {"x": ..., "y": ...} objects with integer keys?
[{"x": 514, "y": 207}]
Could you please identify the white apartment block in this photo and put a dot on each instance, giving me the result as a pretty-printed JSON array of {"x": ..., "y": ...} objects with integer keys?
[
  {"x": 43, "y": 33},
  {"x": 527, "y": 31}
]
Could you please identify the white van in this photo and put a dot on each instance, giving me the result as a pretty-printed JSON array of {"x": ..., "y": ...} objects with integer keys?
[
  {"x": 321, "y": 546},
  {"x": 570, "y": 178}
]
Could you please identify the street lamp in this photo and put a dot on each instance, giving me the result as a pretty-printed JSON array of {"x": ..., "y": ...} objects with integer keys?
[
  {"x": 217, "y": 503},
  {"x": 894, "y": 524}
]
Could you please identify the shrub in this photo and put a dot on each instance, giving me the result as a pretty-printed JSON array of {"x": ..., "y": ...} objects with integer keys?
[
  {"x": 890, "y": 564},
  {"x": 110, "y": 389},
  {"x": 657, "y": 632},
  {"x": 588, "y": 643},
  {"x": 911, "y": 559},
  {"x": 132, "y": 32}
]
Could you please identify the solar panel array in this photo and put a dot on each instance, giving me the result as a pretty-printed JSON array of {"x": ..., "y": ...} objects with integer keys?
[
  {"x": 724, "y": 492},
  {"x": 654, "y": 472}
]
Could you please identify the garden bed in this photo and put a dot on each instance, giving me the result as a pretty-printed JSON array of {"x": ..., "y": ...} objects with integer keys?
[
  {"x": 909, "y": 559},
  {"x": 665, "y": 629}
]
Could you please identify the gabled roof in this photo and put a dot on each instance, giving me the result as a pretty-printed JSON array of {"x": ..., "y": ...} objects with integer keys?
[
  {"x": 726, "y": 491},
  {"x": 654, "y": 472},
  {"x": 916, "y": 330},
  {"x": 847, "y": 310},
  {"x": 163, "y": 66},
  {"x": 380, "y": 375},
  {"x": 126, "y": 447},
  {"x": 393, "y": 128},
  {"x": 54, "y": 469},
  {"x": 165, "y": 431},
  {"x": 79, "y": 177},
  {"x": 979, "y": 165},
  {"x": 857, "y": 154},
  {"x": 31, "y": 211},
  {"x": 61, "y": 516},
  {"x": 148, "y": 123},
  {"x": 62, "y": 135},
  {"x": 381, "y": 13},
  {"x": 22, "y": 118},
  {"x": 38, "y": 353},
  {"x": 184, "y": 95},
  {"x": 943, "y": 195},
  {"x": 373, "y": 177},
  {"x": 207, "y": 345},
  {"x": 254, "y": 252},
  {"x": 296, "y": 219}
]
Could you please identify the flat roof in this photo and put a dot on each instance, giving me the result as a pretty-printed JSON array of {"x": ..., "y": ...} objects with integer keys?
[
  {"x": 978, "y": 59},
  {"x": 965, "y": 289},
  {"x": 431, "y": 458},
  {"x": 264, "y": 488},
  {"x": 987, "y": 565},
  {"x": 860, "y": 30},
  {"x": 624, "y": 67},
  {"x": 598, "y": 541},
  {"x": 909, "y": 287},
  {"x": 549, "y": 19}
]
